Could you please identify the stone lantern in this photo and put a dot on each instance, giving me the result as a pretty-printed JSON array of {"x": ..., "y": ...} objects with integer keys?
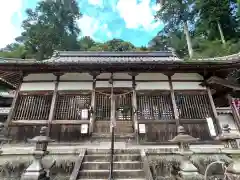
[
  {"x": 229, "y": 139},
  {"x": 37, "y": 171},
  {"x": 231, "y": 147},
  {"x": 3, "y": 138},
  {"x": 187, "y": 169},
  {"x": 182, "y": 139}
]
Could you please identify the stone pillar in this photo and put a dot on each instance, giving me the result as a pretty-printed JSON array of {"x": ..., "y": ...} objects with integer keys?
[{"x": 187, "y": 170}]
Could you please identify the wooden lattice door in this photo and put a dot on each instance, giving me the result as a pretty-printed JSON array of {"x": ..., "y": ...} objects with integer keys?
[{"x": 123, "y": 104}]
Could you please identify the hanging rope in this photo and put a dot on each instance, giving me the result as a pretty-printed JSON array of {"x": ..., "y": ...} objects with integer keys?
[{"x": 115, "y": 95}]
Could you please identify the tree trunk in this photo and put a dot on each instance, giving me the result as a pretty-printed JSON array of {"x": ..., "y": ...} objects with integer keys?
[
  {"x": 188, "y": 38},
  {"x": 221, "y": 33}
]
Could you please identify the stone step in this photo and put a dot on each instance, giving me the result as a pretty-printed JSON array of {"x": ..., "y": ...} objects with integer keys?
[
  {"x": 116, "y": 165},
  {"x": 118, "y": 157},
  {"x": 116, "y": 151},
  {"x": 115, "y": 179},
  {"x": 116, "y": 174}
]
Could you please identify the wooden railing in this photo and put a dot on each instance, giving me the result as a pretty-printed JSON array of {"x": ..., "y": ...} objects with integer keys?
[{"x": 163, "y": 131}]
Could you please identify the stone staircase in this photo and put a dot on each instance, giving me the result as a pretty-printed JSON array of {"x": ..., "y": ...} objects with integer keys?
[{"x": 127, "y": 165}]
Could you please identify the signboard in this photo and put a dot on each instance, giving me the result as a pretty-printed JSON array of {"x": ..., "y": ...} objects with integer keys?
[
  {"x": 84, "y": 128},
  {"x": 4, "y": 110},
  {"x": 211, "y": 126},
  {"x": 84, "y": 115},
  {"x": 142, "y": 128}
]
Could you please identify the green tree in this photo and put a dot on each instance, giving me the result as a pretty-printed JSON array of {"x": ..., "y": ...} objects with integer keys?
[
  {"x": 52, "y": 25},
  {"x": 86, "y": 43},
  {"x": 119, "y": 45},
  {"x": 176, "y": 14},
  {"x": 216, "y": 19},
  {"x": 164, "y": 42},
  {"x": 14, "y": 50}
]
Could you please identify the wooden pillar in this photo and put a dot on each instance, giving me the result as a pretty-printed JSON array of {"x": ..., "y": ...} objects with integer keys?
[
  {"x": 11, "y": 112},
  {"x": 93, "y": 106},
  {"x": 113, "y": 108},
  {"x": 93, "y": 102},
  {"x": 173, "y": 100},
  {"x": 53, "y": 104},
  {"x": 219, "y": 129},
  {"x": 134, "y": 103},
  {"x": 235, "y": 112}
]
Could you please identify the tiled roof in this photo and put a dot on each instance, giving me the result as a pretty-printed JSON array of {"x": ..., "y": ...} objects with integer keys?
[
  {"x": 112, "y": 57},
  {"x": 83, "y": 57}
]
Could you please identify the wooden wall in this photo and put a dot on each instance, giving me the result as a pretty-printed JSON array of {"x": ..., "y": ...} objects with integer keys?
[{"x": 66, "y": 125}]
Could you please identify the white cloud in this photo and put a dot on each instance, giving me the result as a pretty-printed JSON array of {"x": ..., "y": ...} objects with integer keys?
[
  {"x": 109, "y": 35},
  {"x": 88, "y": 25},
  {"x": 10, "y": 28},
  {"x": 96, "y": 2},
  {"x": 137, "y": 15}
]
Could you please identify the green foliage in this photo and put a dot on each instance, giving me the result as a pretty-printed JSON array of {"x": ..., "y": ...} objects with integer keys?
[
  {"x": 87, "y": 44},
  {"x": 175, "y": 40},
  {"x": 206, "y": 20},
  {"x": 213, "y": 12},
  {"x": 175, "y": 12},
  {"x": 51, "y": 26},
  {"x": 14, "y": 51},
  {"x": 119, "y": 45},
  {"x": 215, "y": 48}
]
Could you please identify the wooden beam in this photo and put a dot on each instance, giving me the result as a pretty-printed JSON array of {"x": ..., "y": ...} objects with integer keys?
[
  {"x": 70, "y": 122},
  {"x": 173, "y": 99},
  {"x": 183, "y": 121},
  {"x": 11, "y": 112},
  {"x": 29, "y": 122},
  {"x": 219, "y": 129},
  {"x": 53, "y": 105}
]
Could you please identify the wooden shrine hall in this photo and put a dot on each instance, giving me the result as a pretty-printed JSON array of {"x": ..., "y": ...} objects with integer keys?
[{"x": 144, "y": 95}]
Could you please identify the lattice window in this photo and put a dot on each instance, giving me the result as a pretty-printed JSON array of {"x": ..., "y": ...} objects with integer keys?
[
  {"x": 103, "y": 107},
  {"x": 154, "y": 106},
  {"x": 124, "y": 107},
  {"x": 193, "y": 105},
  {"x": 33, "y": 106},
  {"x": 70, "y": 106}
]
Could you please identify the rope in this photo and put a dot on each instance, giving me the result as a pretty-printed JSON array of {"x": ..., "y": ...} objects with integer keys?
[
  {"x": 106, "y": 94},
  {"x": 223, "y": 166}
]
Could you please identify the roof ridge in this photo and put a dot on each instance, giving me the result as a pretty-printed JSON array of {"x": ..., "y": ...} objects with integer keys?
[{"x": 114, "y": 54}]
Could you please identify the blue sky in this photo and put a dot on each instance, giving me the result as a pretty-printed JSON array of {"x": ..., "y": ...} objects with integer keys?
[{"x": 130, "y": 20}]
